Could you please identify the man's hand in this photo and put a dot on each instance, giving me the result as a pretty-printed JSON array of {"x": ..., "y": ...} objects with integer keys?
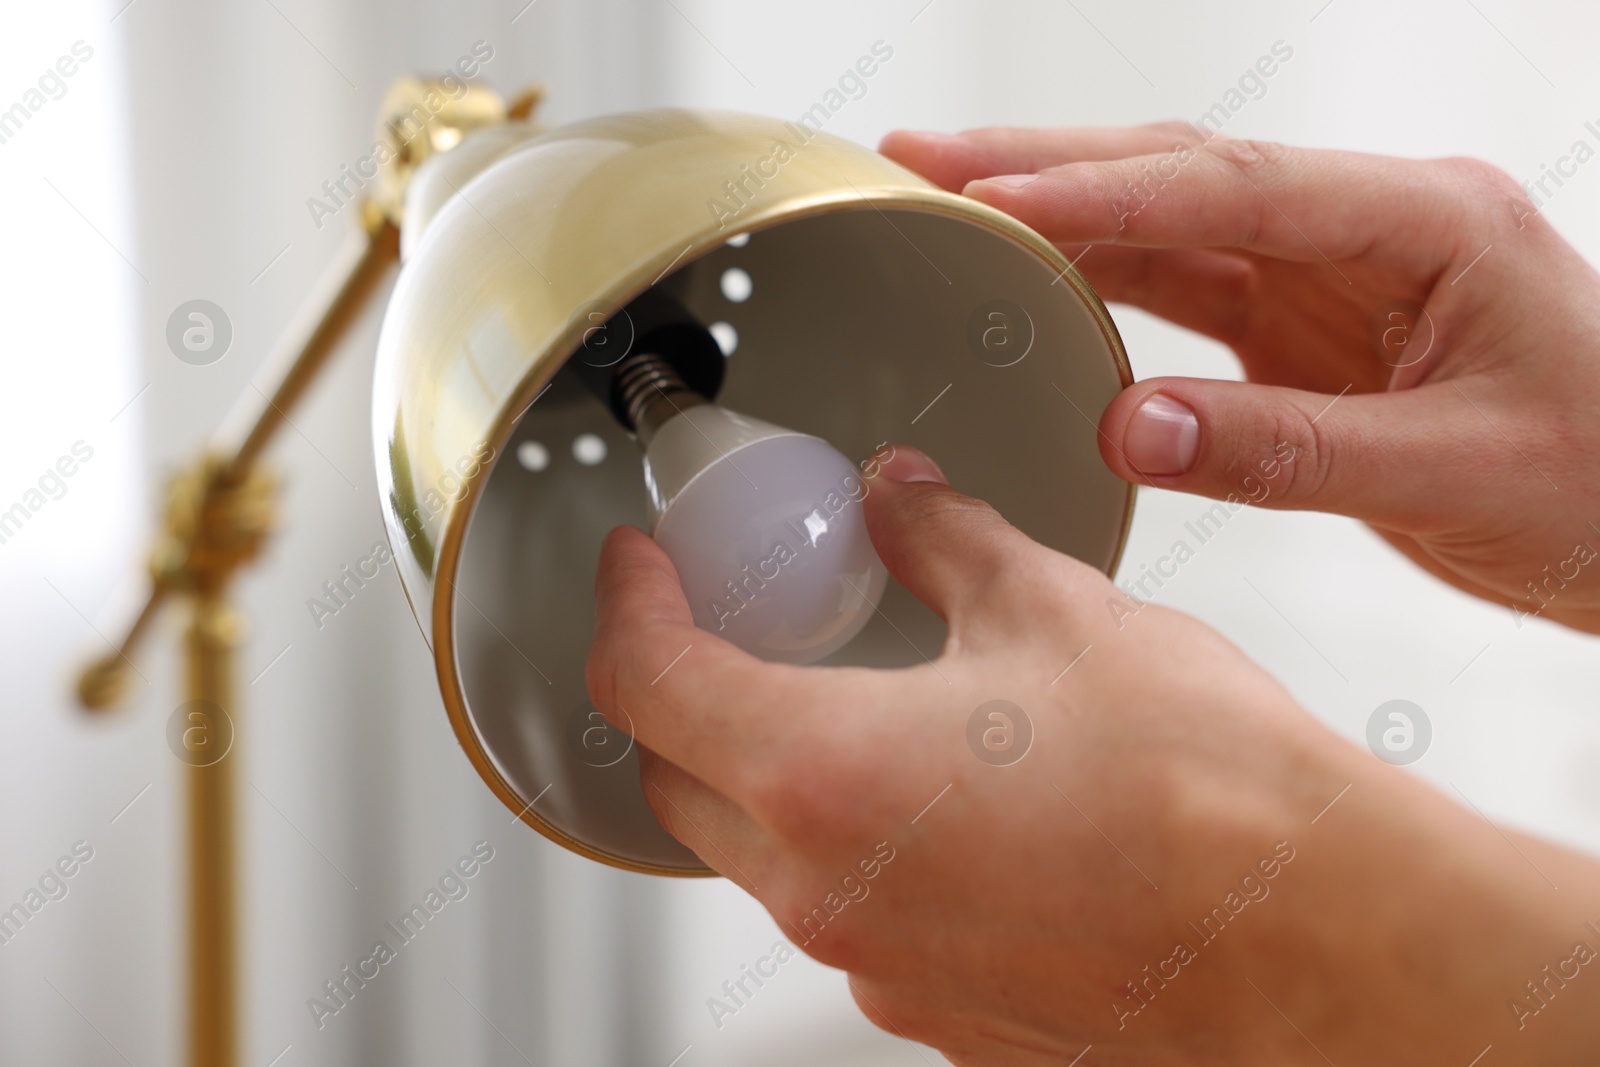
[
  {"x": 1148, "y": 847},
  {"x": 1424, "y": 339}
]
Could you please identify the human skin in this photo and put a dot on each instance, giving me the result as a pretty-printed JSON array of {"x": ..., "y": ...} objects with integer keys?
[
  {"x": 1165, "y": 766},
  {"x": 1477, "y": 461}
]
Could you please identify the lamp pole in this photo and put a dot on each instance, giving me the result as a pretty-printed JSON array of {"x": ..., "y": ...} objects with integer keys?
[{"x": 219, "y": 512}]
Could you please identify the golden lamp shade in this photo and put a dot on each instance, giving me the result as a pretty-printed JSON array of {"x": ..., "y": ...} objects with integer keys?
[{"x": 852, "y": 300}]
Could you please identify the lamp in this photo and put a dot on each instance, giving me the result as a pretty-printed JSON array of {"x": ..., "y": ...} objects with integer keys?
[
  {"x": 867, "y": 306},
  {"x": 849, "y": 300}
]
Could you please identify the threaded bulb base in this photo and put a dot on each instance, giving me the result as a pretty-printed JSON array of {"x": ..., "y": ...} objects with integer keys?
[{"x": 650, "y": 391}]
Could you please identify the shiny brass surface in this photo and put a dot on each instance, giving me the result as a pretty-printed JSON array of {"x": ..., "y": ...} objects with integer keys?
[
  {"x": 347, "y": 289},
  {"x": 203, "y": 515},
  {"x": 580, "y": 220},
  {"x": 420, "y": 118},
  {"x": 104, "y": 682},
  {"x": 478, "y": 327},
  {"x": 218, "y": 515},
  {"x": 520, "y": 108},
  {"x": 211, "y": 795}
]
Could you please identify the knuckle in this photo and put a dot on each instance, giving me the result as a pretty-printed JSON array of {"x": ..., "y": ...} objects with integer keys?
[
  {"x": 1175, "y": 129},
  {"x": 950, "y": 511},
  {"x": 1483, "y": 179},
  {"x": 1252, "y": 161},
  {"x": 1313, "y": 455},
  {"x": 943, "y": 505},
  {"x": 1248, "y": 155},
  {"x": 949, "y": 517}
]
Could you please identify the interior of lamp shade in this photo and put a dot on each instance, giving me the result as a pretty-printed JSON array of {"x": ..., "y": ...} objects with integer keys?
[{"x": 860, "y": 326}]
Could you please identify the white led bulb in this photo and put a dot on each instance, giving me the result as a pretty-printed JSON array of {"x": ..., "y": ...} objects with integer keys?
[{"x": 766, "y": 528}]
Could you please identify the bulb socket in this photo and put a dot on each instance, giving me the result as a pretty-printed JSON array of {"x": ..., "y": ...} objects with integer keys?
[
  {"x": 649, "y": 391},
  {"x": 669, "y": 359}
]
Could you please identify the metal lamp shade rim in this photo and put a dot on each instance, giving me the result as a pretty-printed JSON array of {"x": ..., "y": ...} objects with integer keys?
[{"x": 913, "y": 195}]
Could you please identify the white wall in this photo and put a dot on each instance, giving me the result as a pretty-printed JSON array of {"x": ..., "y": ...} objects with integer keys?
[{"x": 190, "y": 142}]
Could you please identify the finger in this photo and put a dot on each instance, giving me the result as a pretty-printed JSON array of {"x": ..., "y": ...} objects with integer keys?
[
  {"x": 1286, "y": 448},
  {"x": 1199, "y": 289},
  {"x": 1294, "y": 203},
  {"x": 705, "y": 821},
  {"x": 951, "y": 160},
  {"x": 955, "y": 554},
  {"x": 688, "y": 693}
]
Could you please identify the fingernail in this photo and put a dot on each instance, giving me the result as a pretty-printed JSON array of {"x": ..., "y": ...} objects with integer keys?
[
  {"x": 1012, "y": 181},
  {"x": 1163, "y": 436},
  {"x": 910, "y": 465}
]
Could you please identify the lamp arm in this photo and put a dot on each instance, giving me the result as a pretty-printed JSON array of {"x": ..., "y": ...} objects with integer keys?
[
  {"x": 217, "y": 515},
  {"x": 338, "y": 300}
]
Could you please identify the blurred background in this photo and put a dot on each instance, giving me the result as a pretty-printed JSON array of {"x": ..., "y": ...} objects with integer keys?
[{"x": 175, "y": 164}]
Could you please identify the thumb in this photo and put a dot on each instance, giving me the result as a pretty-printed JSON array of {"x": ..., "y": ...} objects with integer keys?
[
  {"x": 1385, "y": 458},
  {"x": 954, "y": 553}
]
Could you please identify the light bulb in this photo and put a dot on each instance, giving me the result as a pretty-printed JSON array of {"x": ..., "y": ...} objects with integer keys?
[{"x": 765, "y": 525}]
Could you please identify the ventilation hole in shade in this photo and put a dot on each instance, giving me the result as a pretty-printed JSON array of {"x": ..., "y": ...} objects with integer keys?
[
  {"x": 589, "y": 449},
  {"x": 727, "y": 337},
  {"x": 736, "y": 285},
  {"x": 738, "y": 240},
  {"x": 533, "y": 456}
]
